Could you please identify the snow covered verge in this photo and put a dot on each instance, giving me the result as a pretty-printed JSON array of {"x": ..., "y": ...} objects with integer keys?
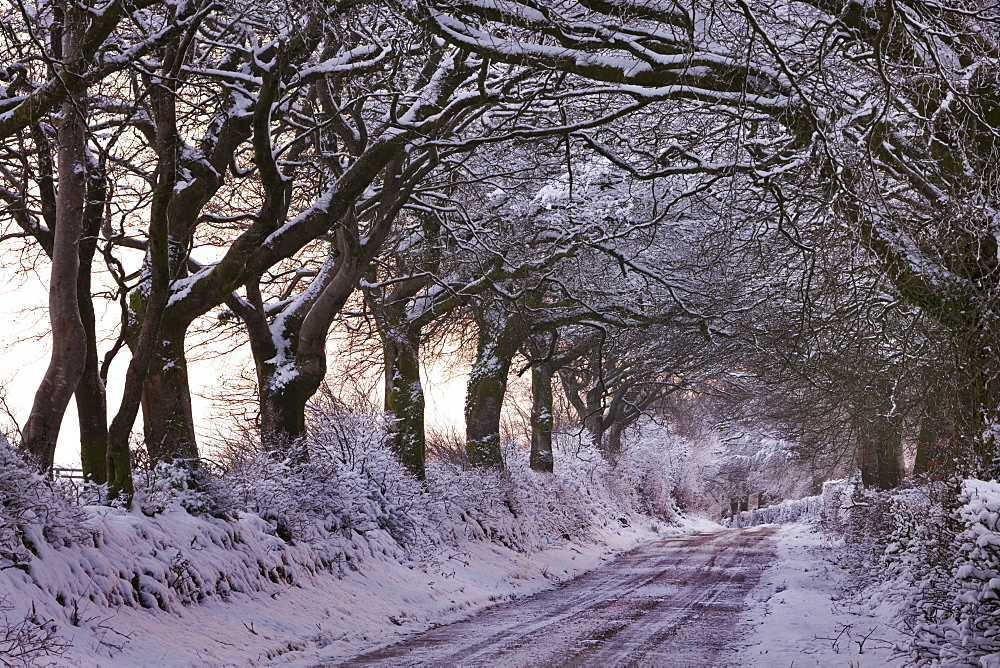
[
  {"x": 911, "y": 575},
  {"x": 930, "y": 557},
  {"x": 799, "y": 615},
  {"x": 283, "y": 562}
]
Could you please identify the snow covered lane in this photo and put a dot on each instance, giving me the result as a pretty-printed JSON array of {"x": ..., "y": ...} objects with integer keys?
[{"x": 672, "y": 602}]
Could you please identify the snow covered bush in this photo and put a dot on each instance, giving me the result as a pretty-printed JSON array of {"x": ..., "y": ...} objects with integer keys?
[
  {"x": 978, "y": 567},
  {"x": 962, "y": 604},
  {"x": 32, "y": 511},
  {"x": 790, "y": 510},
  {"x": 930, "y": 555},
  {"x": 179, "y": 484},
  {"x": 826, "y": 508},
  {"x": 648, "y": 475},
  {"x": 346, "y": 481}
]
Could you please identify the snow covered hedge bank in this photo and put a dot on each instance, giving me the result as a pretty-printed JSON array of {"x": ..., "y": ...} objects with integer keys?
[
  {"x": 927, "y": 558},
  {"x": 930, "y": 556},
  {"x": 264, "y": 526}
]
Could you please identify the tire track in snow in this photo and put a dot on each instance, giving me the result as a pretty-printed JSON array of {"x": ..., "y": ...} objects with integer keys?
[{"x": 673, "y": 602}]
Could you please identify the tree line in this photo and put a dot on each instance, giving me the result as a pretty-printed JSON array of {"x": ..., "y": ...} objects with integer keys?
[{"x": 790, "y": 204}]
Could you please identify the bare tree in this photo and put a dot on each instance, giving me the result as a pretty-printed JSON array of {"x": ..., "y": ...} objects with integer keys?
[{"x": 69, "y": 339}]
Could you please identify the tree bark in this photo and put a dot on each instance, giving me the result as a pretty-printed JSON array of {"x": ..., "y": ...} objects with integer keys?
[
  {"x": 979, "y": 415},
  {"x": 404, "y": 395},
  {"x": 882, "y": 458},
  {"x": 91, "y": 396},
  {"x": 887, "y": 455},
  {"x": 69, "y": 338},
  {"x": 614, "y": 440},
  {"x": 289, "y": 378},
  {"x": 934, "y": 438},
  {"x": 541, "y": 458},
  {"x": 168, "y": 422},
  {"x": 149, "y": 300},
  {"x": 286, "y": 382},
  {"x": 500, "y": 335},
  {"x": 296, "y": 362}
]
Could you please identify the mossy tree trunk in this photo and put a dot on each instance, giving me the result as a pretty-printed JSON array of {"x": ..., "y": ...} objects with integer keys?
[
  {"x": 400, "y": 324},
  {"x": 542, "y": 420},
  {"x": 540, "y": 349},
  {"x": 404, "y": 395},
  {"x": 149, "y": 301},
  {"x": 168, "y": 421},
  {"x": 501, "y": 333},
  {"x": 91, "y": 395},
  {"x": 614, "y": 440}
]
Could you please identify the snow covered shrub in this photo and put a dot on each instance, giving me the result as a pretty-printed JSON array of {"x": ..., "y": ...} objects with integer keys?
[
  {"x": 180, "y": 484},
  {"x": 527, "y": 510},
  {"x": 32, "y": 510},
  {"x": 478, "y": 500},
  {"x": 828, "y": 509},
  {"x": 867, "y": 523},
  {"x": 343, "y": 483},
  {"x": 977, "y": 610},
  {"x": 912, "y": 577},
  {"x": 961, "y": 602},
  {"x": 29, "y": 640},
  {"x": 790, "y": 510},
  {"x": 931, "y": 553},
  {"x": 649, "y": 475}
]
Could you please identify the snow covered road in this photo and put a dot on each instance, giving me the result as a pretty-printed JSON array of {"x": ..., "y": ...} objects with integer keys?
[{"x": 671, "y": 602}]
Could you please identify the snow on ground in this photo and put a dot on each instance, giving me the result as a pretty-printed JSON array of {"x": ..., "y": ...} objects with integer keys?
[
  {"x": 302, "y": 565},
  {"x": 799, "y": 616},
  {"x": 335, "y": 618}
]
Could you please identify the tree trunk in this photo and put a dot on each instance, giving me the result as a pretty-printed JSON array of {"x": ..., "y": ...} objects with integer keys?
[
  {"x": 889, "y": 455},
  {"x": 404, "y": 396},
  {"x": 284, "y": 394},
  {"x": 149, "y": 301},
  {"x": 541, "y": 418},
  {"x": 168, "y": 423},
  {"x": 91, "y": 397},
  {"x": 69, "y": 339},
  {"x": 614, "y": 440},
  {"x": 933, "y": 451},
  {"x": 882, "y": 457},
  {"x": 587, "y": 399},
  {"x": 499, "y": 338},
  {"x": 979, "y": 417},
  {"x": 293, "y": 374}
]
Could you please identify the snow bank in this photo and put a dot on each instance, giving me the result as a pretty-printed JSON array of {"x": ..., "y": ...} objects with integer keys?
[
  {"x": 928, "y": 558},
  {"x": 797, "y": 614},
  {"x": 295, "y": 561}
]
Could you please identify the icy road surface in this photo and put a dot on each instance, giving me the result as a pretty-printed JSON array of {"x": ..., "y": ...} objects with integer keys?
[{"x": 672, "y": 602}]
